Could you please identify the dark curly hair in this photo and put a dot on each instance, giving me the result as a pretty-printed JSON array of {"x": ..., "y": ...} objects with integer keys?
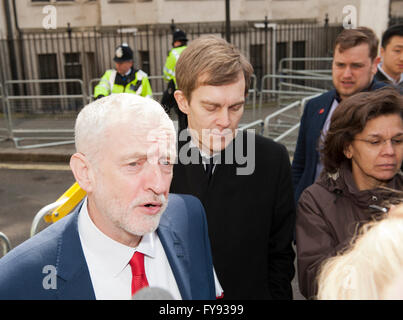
[{"x": 351, "y": 117}]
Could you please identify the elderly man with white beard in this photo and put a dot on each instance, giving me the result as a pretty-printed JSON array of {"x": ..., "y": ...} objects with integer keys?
[{"x": 128, "y": 233}]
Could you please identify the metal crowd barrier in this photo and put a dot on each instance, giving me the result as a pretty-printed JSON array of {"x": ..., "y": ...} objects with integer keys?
[
  {"x": 3, "y": 117},
  {"x": 39, "y": 216},
  {"x": 286, "y": 123},
  {"x": 282, "y": 69},
  {"x": 5, "y": 243},
  {"x": 258, "y": 123},
  {"x": 91, "y": 85},
  {"x": 23, "y": 126},
  {"x": 62, "y": 136},
  {"x": 253, "y": 91},
  {"x": 157, "y": 93},
  {"x": 308, "y": 72},
  {"x": 296, "y": 90}
]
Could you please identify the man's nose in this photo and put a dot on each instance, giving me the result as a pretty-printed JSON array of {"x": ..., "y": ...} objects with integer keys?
[
  {"x": 347, "y": 72},
  {"x": 223, "y": 119},
  {"x": 154, "y": 178}
]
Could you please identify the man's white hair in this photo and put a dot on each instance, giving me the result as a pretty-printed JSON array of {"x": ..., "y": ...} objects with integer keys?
[{"x": 96, "y": 117}]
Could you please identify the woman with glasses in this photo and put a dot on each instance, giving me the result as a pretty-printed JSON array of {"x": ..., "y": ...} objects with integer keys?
[{"x": 362, "y": 155}]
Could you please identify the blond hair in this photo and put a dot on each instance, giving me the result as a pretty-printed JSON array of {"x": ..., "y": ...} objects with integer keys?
[
  {"x": 370, "y": 266},
  {"x": 210, "y": 60}
]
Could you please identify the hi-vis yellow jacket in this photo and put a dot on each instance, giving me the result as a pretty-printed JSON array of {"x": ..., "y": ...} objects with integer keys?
[
  {"x": 136, "y": 82},
  {"x": 170, "y": 63}
]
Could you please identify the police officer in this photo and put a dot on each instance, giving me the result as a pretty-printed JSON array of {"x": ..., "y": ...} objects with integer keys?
[
  {"x": 124, "y": 78},
  {"x": 168, "y": 101}
]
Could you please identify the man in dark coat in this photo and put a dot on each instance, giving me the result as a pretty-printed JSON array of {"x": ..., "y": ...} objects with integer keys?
[
  {"x": 354, "y": 66},
  {"x": 242, "y": 179},
  {"x": 390, "y": 69}
]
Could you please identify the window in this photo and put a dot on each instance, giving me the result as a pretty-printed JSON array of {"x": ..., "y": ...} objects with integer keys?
[
  {"x": 89, "y": 66},
  {"x": 256, "y": 59},
  {"x": 298, "y": 51},
  {"x": 48, "y": 70},
  {"x": 73, "y": 70},
  {"x": 145, "y": 61},
  {"x": 281, "y": 53}
]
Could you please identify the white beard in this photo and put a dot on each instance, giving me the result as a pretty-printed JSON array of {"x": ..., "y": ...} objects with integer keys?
[{"x": 124, "y": 217}]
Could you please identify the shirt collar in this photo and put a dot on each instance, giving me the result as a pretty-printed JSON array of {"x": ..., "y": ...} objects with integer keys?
[
  {"x": 114, "y": 255},
  {"x": 388, "y": 76}
]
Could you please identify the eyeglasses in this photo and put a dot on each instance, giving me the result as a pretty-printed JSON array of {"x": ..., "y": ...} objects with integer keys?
[{"x": 377, "y": 143}]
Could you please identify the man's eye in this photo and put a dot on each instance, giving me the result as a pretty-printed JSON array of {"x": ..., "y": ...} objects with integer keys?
[
  {"x": 209, "y": 108},
  {"x": 133, "y": 164},
  {"x": 165, "y": 162},
  {"x": 375, "y": 142},
  {"x": 397, "y": 141},
  {"x": 236, "y": 108}
]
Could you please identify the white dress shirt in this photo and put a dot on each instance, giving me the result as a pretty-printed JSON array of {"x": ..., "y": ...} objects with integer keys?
[
  {"x": 389, "y": 77},
  {"x": 204, "y": 155},
  {"x": 108, "y": 262},
  {"x": 326, "y": 125}
]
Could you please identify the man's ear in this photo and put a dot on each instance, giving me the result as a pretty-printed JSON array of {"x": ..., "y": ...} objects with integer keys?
[
  {"x": 181, "y": 101},
  {"x": 375, "y": 64},
  {"x": 82, "y": 171},
  {"x": 382, "y": 52}
]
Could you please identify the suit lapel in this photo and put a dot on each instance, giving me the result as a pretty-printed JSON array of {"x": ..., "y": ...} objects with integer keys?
[
  {"x": 326, "y": 106},
  {"x": 193, "y": 172},
  {"x": 176, "y": 254},
  {"x": 74, "y": 281}
]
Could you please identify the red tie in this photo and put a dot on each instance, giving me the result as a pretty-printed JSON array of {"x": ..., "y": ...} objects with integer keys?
[{"x": 139, "y": 279}]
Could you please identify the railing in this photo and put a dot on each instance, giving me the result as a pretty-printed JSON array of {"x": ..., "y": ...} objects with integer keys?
[
  {"x": 60, "y": 135},
  {"x": 5, "y": 243},
  {"x": 313, "y": 60},
  {"x": 28, "y": 127},
  {"x": 258, "y": 123},
  {"x": 39, "y": 216},
  {"x": 286, "y": 122},
  {"x": 296, "y": 90},
  {"x": 3, "y": 122}
]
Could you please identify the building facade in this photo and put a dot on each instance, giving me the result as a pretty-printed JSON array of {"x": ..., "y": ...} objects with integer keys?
[{"x": 75, "y": 39}]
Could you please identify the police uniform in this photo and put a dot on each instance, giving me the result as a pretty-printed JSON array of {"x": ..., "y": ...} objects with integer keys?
[
  {"x": 135, "y": 81},
  {"x": 169, "y": 68},
  {"x": 168, "y": 100}
]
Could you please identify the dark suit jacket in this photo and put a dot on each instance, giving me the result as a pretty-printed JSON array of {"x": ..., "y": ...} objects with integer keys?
[
  {"x": 379, "y": 76},
  {"x": 306, "y": 154},
  {"x": 250, "y": 217},
  {"x": 182, "y": 231}
]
